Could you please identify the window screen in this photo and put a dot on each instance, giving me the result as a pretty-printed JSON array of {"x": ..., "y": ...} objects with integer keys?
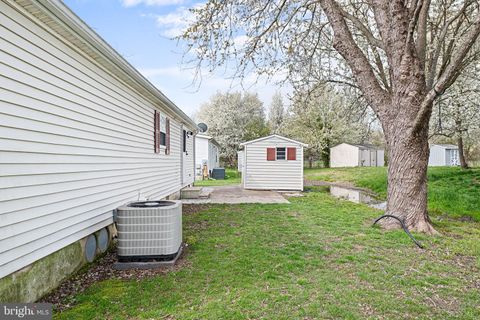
[{"x": 281, "y": 154}]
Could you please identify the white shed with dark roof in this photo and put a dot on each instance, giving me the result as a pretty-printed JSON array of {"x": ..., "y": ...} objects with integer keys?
[
  {"x": 356, "y": 155},
  {"x": 273, "y": 163}
]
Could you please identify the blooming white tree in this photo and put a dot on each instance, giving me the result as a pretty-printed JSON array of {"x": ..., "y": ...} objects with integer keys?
[
  {"x": 325, "y": 117},
  {"x": 400, "y": 54},
  {"x": 276, "y": 114},
  {"x": 233, "y": 118}
]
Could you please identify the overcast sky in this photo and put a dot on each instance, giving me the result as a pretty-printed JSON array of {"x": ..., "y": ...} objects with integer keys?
[{"x": 141, "y": 31}]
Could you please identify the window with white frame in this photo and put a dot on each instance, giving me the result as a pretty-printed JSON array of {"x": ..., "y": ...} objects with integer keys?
[
  {"x": 163, "y": 130},
  {"x": 281, "y": 153}
]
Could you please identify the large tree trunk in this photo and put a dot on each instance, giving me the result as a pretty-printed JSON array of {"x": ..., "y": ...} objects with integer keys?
[
  {"x": 326, "y": 157},
  {"x": 461, "y": 153},
  {"x": 407, "y": 177}
]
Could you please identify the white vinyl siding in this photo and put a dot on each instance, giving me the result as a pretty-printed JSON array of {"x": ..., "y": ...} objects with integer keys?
[
  {"x": 347, "y": 155},
  {"x": 437, "y": 156},
  {"x": 75, "y": 143},
  {"x": 213, "y": 161},
  {"x": 344, "y": 155},
  {"x": 441, "y": 155},
  {"x": 272, "y": 175}
]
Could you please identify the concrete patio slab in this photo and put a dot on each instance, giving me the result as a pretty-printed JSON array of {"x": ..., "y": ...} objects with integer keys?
[{"x": 236, "y": 194}]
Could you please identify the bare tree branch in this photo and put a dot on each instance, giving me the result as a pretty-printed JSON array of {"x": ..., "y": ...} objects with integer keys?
[
  {"x": 449, "y": 75},
  {"x": 353, "y": 55}
]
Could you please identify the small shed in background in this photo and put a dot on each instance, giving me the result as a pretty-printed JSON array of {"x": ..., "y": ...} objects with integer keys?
[
  {"x": 356, "y": 155},
  {"x": 272, "y": 163},
  {"x": 443, "y": 155},
  {"x": 207, "y": 152}
]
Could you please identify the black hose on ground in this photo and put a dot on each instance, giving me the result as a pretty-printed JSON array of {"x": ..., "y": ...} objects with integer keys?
[{"x": 403, "y": 227}]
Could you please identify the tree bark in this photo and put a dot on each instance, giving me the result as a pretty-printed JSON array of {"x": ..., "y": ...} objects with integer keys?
[
  {"x": 407, "y": 178},
  {"x": 326, "y": 156},
  {"x": 461, "y": 153}
]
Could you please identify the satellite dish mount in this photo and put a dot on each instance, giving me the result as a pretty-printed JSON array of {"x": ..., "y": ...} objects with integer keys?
[{"x": 202, "y": 126}]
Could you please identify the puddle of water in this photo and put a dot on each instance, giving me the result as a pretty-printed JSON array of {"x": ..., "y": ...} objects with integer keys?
[{"x": 357, "y": 196}]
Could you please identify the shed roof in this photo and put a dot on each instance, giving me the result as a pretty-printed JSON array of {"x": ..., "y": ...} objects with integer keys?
[
  {"x": 367, "y": 146},
  {"x": 361, "y": 145},
  {"x": 274, "y": 136},
  {"x": 209, "y": 138},
  {"x": 66, "y": 23},
  {"x": 445, "y": 146}
]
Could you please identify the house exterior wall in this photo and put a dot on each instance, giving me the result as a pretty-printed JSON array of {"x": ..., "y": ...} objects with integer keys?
[
  {"x": 344, "y": 155},
  {"x": 437, "y": 156},
  {"x": 272, "y": 175},
  {"x": 75, "y": 143}
]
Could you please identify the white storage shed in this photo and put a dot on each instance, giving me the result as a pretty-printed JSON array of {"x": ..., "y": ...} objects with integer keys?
[
  {"x": 443, "y": 155},
  {"x": 356, "y": 155},
  {"x": 207, "y": 151},
  {"x": 82, "y": 132},
  {"x": 273, "y": 163}
]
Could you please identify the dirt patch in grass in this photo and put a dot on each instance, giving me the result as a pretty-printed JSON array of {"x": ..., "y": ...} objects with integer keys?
[
  {"x": 102, "y": 269},
  {"x": 191, "y": 209}
]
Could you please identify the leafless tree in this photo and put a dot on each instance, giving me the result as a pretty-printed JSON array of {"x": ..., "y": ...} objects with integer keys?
[{"x": 400, "y": 54}]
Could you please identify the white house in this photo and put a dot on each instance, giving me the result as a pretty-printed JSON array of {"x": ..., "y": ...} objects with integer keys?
[
  {"x": 207, "y": 151},
  {"x": 356, "y": 155},
  {"x": 443, "y": 155},
  {"x": 81, "y": 133},
  {"x": 273, "y": 163}
]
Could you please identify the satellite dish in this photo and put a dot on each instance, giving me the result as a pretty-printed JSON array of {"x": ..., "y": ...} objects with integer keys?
[{"x": 202, "y": 126}]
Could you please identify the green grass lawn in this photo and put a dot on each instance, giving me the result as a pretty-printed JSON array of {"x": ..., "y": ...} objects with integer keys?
[
  {"x": 316, "y": 258},
  {"x": 451, "y": 190},
  {"x": 232, "y": 176}
]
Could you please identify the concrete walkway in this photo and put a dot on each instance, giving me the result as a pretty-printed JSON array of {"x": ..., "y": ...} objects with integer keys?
[{"x": 236, "y": 194}]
